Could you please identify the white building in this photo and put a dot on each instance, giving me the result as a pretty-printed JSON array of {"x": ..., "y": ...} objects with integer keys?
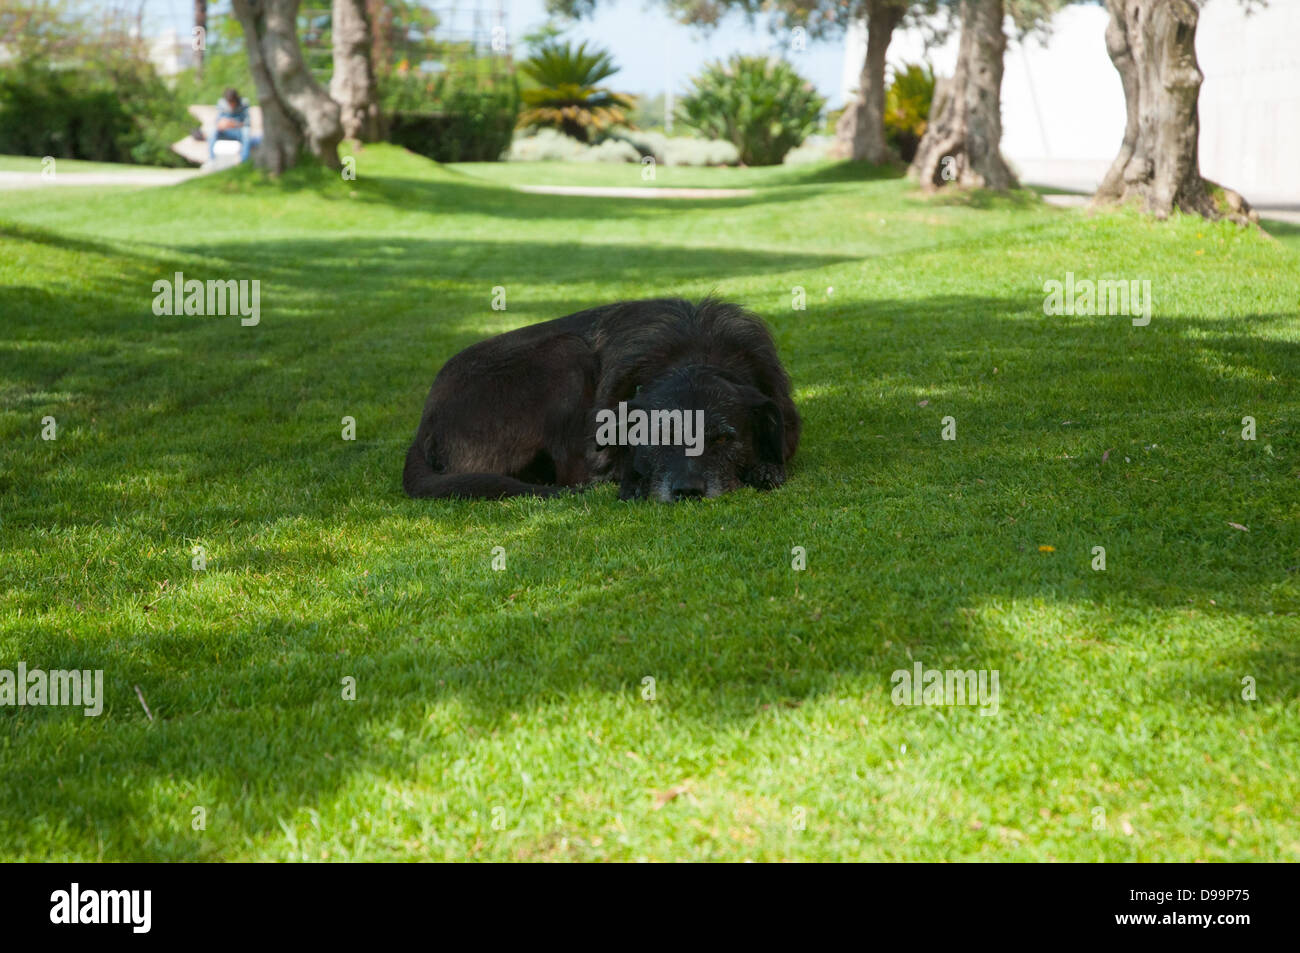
[
  {"x": 1063, "y": 105},
  {"x": 170, "y": 52}
]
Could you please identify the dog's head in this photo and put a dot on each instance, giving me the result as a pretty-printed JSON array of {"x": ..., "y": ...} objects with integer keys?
[{"x": 704, "y": 433}]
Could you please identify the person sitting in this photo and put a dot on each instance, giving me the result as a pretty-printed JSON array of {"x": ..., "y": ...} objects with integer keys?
[{"x": 232, "y": 123}]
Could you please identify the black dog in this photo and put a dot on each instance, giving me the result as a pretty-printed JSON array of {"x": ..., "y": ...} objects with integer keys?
[{"x": 548, "y": 406}]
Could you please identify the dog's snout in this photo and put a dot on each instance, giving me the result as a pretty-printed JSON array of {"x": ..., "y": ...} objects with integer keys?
[{"x": 688, "y": 490}]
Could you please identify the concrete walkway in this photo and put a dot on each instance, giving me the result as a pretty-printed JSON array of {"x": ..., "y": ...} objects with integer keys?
[
  {"x": 1280, "y": 211},
  {"x": 609, "y": 192},
  {"x": 37, "y": 180},
  {"x": 1283, "y": 212}
]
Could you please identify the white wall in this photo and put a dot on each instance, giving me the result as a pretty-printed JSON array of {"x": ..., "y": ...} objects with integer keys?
[
  {"x": 1250, "y": 100},
  {"x": 1063, "y": 105},
  {"x": 170, "y": 52}
]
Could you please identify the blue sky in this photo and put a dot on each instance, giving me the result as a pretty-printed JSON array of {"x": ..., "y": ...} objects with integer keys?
[{"x": 653, "y": 50}]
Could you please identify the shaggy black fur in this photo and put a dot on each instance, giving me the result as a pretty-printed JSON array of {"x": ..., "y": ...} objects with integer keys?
[{"x": 516, "y": 414}]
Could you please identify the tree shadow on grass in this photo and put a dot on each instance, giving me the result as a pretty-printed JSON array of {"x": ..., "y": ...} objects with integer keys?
[
  {"x": 499, "y": 201},
  {"x": 1279, "y": 229},
  {"x": 985, "y": 199},
  {"x": 924, "y": 533},
  {"x": 846, "y": 171},
  {"x": 466, "y": 195},
  {"x": 404, "y": 268}
]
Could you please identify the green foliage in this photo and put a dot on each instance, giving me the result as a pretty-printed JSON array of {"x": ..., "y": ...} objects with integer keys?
[
  {"x": 225, "y": 64},
  {"x": 450, "y": 123},
  {"x": 833, "y": 120},
  {"x": 81, "y": 87},
  {"x": 649, "y": 112},
  {"x": 40, "y": 30},
  {"x": 220, "y": 71},
  {"x": 551, "y": 31},
  {"x": 402, "y": 32},
  {"x": 121, "y": 112},
  {"x": 907, "y": 108},
  {"x": 565, "y": 93},
  {"x": 560, "y": 63},
  {"x": 760, "y": 105}
]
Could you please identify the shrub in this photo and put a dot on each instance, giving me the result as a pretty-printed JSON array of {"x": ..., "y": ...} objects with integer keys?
[
  {"x": 682, "y": 150},
  {"x": 907, "y": 108},
  {"x": 761, "y": 106},
  {"x": 611, "y": 150},
  {"x": 567, "y": 96},
  {"x": 462, "y": 124},
  {"x": 123, "y": 113},
  {"x": 547, "y": 145}
]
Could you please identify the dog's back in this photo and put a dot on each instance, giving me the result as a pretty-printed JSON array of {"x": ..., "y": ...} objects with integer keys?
[{"x": 512, "y": 415}]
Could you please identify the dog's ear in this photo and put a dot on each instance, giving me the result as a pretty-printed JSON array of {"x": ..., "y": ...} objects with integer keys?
[
  {"x": 767, "y": 426},
  {"x": 623, "y": 379}
]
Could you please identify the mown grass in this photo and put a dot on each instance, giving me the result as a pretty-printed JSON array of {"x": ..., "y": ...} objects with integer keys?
[
  {"x": 501, "y": 714},
  {"x": 664, "y": 176}
]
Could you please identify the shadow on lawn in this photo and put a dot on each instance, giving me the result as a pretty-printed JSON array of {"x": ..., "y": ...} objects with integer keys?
[
  {"x": 845, "y": 171},
  {"x": 924, "y": 533},
  {"x": 467, "y": 194},
  {"x": 403, "y": 270}
]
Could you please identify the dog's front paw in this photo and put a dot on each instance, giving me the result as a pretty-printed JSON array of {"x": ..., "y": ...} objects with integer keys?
[
  {"x": 635, "y": 489},
  {"x": 764, "y": 476},
  {"x": 600, "y": 462}
]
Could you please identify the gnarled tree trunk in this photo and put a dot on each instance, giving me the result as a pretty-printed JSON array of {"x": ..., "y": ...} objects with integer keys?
[
  {"x": 860, "y": 133},
  {"x": 1153, "y": 46},
  {"x": 353, "y": 84},
  {"x": 962, "y": 141},
  {"x": 296, "y": 112},
  {"x": 201, "y": 23}
]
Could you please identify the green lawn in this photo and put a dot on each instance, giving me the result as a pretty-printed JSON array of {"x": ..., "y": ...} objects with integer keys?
[
  {"x": 629, "y": 175},
  {"x": 502, "y": 714}
]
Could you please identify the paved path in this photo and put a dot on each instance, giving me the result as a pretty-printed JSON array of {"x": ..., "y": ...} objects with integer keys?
[
  {"x": 36, "y": 180},
  {"x": 1282, "y": 212},
  {"x": 637, "y": 193},
  {"x": 1279, "y": 213}
]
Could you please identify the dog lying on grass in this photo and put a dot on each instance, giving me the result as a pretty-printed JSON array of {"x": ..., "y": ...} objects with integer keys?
[{"x": 673, "y": 400}]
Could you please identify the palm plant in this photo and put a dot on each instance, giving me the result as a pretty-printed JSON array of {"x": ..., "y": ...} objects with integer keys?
[
  {"x": 567, "y": 96},
  {"x": 907, "y": 108}
]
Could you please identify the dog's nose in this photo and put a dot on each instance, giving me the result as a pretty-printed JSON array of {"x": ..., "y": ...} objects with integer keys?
[{"x": 688, "y": 491}]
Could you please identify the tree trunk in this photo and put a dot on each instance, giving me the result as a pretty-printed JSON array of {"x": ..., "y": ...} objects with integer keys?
[
  {"x": 860, "y": 133},
  {"x": 963, "y": 137},
  {"x": 200, "y": 21},
  {"x": 1153, "y": 46},
  {"x": 296, "y": 112},
  {"x": 353, "y": 85},
  {"x": 379, "y": 14}
]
